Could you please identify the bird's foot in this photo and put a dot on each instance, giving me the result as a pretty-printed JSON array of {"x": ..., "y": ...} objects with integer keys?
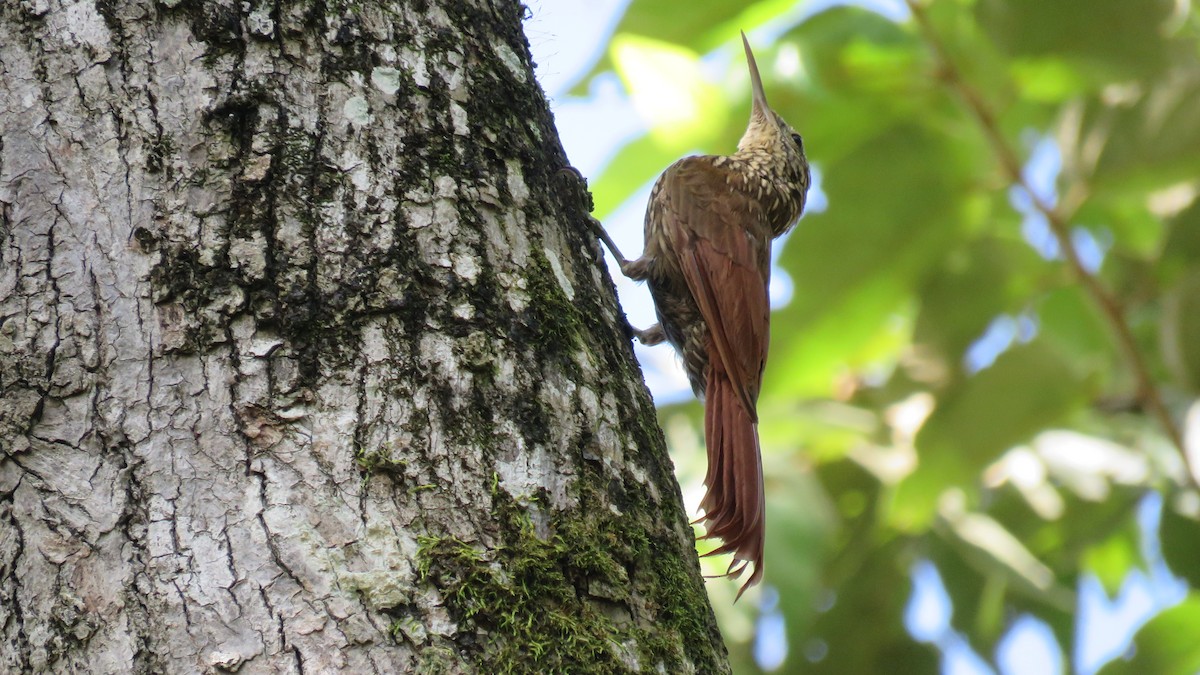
[{"x": 650, "y": 336}]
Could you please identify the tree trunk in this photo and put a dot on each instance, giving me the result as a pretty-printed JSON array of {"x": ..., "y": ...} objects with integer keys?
[{"x": 307, "y": 359}]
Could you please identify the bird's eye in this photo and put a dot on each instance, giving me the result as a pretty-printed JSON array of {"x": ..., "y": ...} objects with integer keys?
[{"x": 799, "y": 141}]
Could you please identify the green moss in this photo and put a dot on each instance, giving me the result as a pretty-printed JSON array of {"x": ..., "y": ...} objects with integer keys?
[
  {"x": 683, "y": 610},
  {"x": 554, "y": 317},
  {"x": 380, "y": 460},
  {"x": 686, "y": 630},
  {"x": 538, "y": 604},
  {"x": 523, "y": 598},
  {"x": 436, "y": 660}
]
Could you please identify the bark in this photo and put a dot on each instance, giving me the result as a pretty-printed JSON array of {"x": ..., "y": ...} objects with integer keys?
[{"x": 307, "y": 359}]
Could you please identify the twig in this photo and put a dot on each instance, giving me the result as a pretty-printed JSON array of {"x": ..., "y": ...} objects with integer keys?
[{"x": 1147, "y": 393}]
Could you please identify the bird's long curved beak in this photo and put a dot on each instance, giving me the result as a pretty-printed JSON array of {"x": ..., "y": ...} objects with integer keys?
[{"x": 756, "y": 85}]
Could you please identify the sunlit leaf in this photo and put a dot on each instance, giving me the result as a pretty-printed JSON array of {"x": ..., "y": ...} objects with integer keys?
[
  {"x": 1101, "y": 537},
  {"x": 864, "y": 74},
  {"x": 822, "y": 430},
  {"x": 995, "y": 549},
  {"x": 863, "y": 327},
  {"x": 668, "y": 89},
  {"x": 697, "y": 25},
  {"x": 1111, "y": 560},
  {"x": 1048, "y": 79}
]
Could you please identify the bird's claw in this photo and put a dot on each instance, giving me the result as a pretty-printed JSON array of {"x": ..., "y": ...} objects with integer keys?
[
  {"x": 651, "y": 336},
  {"x": 648, "y": 336}
]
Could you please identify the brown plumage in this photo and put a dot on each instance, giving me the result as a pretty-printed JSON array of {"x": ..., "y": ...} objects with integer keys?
[{"x": 709, "y": 226}]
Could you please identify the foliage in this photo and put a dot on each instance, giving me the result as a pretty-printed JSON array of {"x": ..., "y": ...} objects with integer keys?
[{"x": 966, "y": 373}]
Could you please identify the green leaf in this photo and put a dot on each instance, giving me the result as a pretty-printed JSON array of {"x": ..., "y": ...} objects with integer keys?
[
  {"x": 1178, "y": 269},
  {"x": 1149, "y": 141},
  {"x": 892, "y": 230},
  {"x": 1048, "y": 79},
  {"x": 863, "y": 631},
  {"x": 974, "y": 611},
  {"x": 1101, "y": 537},
  {"x": 1112, "y": 559},
  {"x": 847, "y": 48},
  {"x": 1181, "y": 250},
  {"x": 1117, "y": 38},
  {"x": 1027, "y": 389},
  {"x": 826, "y": 430},
  {"x": 798, "y": 541},
  {"x": 697, "y": 25},
  {"x": 993, "y": 549},
  {"x": 1070, "y": 322},
  {"x": 859, "y": 75},
  {"x": 854, "y": 266},
  {"x": 988, "y": 277},
  {"x": 1127, "y": 220},
  {"x": 1180, "y": 536},
  {"x": 1165, "y": 646},
  {"x": 1181, "y": 331},
  {"x": 669, "y": 90},
  {"x": 861, "y": 327}
]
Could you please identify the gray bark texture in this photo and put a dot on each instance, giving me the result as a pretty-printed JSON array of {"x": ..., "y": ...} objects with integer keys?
[{"x": 308, "y": 362}]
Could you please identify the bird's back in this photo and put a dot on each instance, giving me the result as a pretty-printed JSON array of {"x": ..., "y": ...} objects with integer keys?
[{"x": 705, "y": 200}]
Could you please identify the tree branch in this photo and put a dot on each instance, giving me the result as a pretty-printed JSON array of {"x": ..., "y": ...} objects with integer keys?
[{"x": 1109, "y": 305}]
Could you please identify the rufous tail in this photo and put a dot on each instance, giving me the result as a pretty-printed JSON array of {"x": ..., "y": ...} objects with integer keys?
[{"x": 734, "y": 509}]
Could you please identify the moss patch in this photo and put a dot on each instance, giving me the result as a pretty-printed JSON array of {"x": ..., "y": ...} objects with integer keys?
[
  {"x": 553, "y": 319},
  {"x": 561, "y": 604},
  {"x": 381, "y": 460},
  {"x": 521, "y": 599}
]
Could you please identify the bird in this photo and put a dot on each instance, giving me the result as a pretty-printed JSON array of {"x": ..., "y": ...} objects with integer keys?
[{"x": 709, "y": 225}]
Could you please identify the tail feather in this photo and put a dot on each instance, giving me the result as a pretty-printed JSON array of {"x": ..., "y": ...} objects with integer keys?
[{"x": 734, "y": 510}]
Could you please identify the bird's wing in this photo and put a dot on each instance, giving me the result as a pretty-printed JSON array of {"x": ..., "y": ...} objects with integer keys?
[{"x": 720, "y": 235}]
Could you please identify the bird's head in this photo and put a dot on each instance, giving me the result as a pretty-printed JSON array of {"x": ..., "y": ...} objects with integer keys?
[{"x": 767, "y": 131}]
